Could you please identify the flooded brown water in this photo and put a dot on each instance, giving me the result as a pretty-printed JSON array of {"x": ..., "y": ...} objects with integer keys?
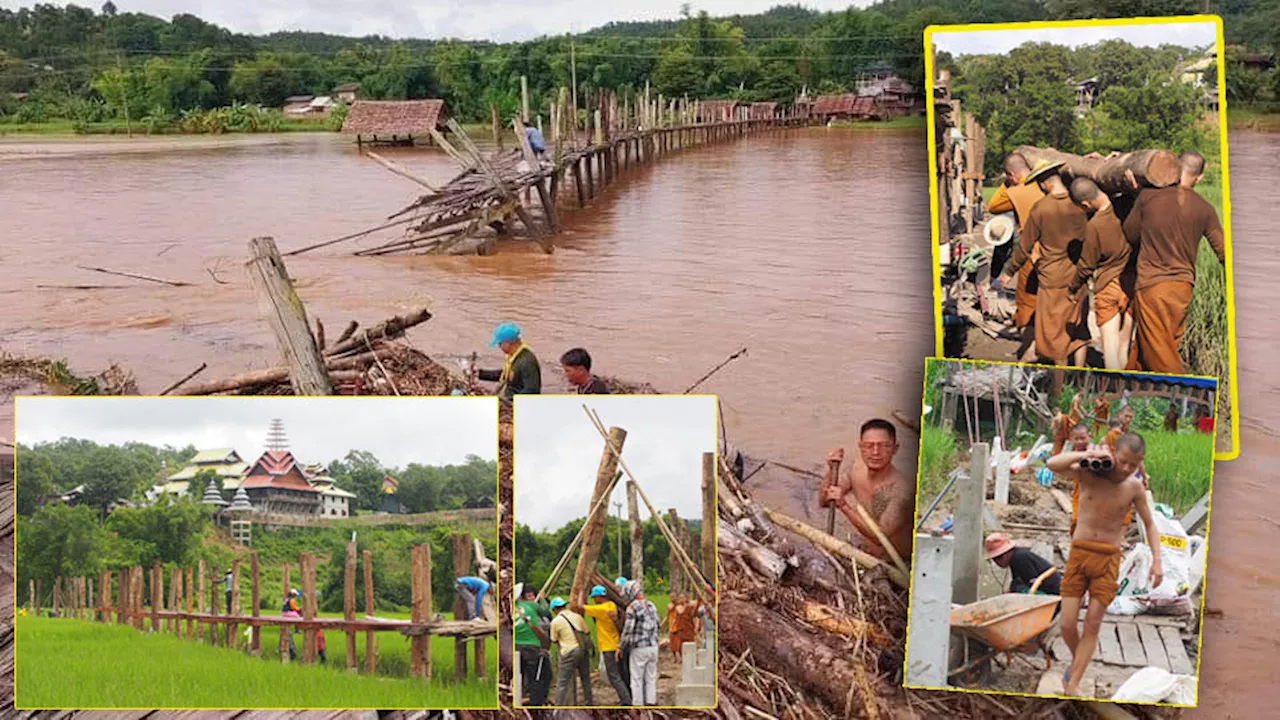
[{"x": 810, "y": 248}]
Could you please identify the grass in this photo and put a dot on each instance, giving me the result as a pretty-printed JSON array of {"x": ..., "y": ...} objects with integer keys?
[
  {"x": 1180, "y": 466},
  {"x": 938, "y": 456},
  {"x": 1252, "y": 118},
  {"x": 72, "y": 663},
  {"x": 905, "y": 122}
]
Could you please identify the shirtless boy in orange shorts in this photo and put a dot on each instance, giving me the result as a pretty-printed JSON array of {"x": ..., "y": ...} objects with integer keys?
[{"x": 1094, "y": 560}]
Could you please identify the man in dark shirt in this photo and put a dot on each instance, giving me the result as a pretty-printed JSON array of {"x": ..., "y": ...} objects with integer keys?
[
  {"x": 1024, "y": 565},
  {"x": 576, "y": 364},
  {"x": 1165, "y": 225},
  {"x": 520, "y": 373}
]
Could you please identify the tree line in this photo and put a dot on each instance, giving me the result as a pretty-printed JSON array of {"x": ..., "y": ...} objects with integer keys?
[
  {"x": 536, "y": 553},
  {"x": 79, "y": 64}
]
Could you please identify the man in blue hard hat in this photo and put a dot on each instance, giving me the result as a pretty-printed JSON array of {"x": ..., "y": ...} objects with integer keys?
[
  {"x": 569, "y": 631},
  {"x": 520, "y": 373},
  {"x": 605, "y": 612}
]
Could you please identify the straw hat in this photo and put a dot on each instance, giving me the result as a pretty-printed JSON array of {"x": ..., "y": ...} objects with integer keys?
[
  {"x": 997, "y": 544},
  {"x": 1042, "y": 168},
  {"x": 999, "y": 229}
]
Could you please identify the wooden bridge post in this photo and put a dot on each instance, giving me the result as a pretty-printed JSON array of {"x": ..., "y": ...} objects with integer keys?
[
  {"x": 138, "y": 586},
  {"x": 285, "y": 314},
  {"x": 595, "y": 523},
  {"x": 349, "y": 603},
  {"x": 370, "y": 649},
  {"x": 190, "y": 598},
  {"x": 708, "y": 532},
  {"x": 122, "y": 598},
  {"x": 171, "y": 624},
  {"x": 420, "y": 578},
  {"x": 104, "y": 596},
  {"x": 589, "y": 160},
  {"x": 233, "y": 637},
  {"x": 200, "y": 597},
  {"x": 255, "y": 595},
  {"x": 31, "y": 596},
  {"x": 157, "y": 595},
  {"x": 214, "y": 628},
  {"x": 461, "y": 566},
  {"x": 307, "y": 565},
  {"x": 57, "y": 586},
  {"x": 285, "y": 629}
]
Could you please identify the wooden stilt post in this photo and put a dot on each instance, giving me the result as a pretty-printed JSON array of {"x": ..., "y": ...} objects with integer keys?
[
  {"x": 636, "y": 532},
  {"x": 191, "y": 596},
  {"x": 138, "y": 587},
  {"x": 287, "y": 317},
  {"x": 461, "y": 566},
  {"x": 57, "y": 587},
  {"x": 370, "y": 650},
  {"x": 233, "y": 635},
  {"x": 174, "y": 625},
  {"x": 594, "y": 535},
  {"x": 349, "y": 603},
  {"x": 285, "y": 629},
  {"x": 214, "y": 628},
  {"x": 157, "y": 595},
  {"x": 31, "y": 596},
  {"x": 255, "y": 635},
  {"x": 307, "y": 565},
  {"x": 708, "y": 531},
  {"x": 420, "y": 577},
  {"x": 122, "y": 598}
]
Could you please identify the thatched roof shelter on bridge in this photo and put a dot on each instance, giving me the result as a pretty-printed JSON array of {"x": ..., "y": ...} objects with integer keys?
[{"x": 392, "y": 119}]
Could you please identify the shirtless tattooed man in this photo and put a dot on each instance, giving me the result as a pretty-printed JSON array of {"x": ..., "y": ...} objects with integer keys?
[{"x": 888, "y": 496}]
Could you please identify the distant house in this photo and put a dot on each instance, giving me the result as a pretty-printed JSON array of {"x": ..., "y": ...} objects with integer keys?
[
  {"x": 297, "y": 104},
  {"x": 1193, "y": 73},
  {"x": 1086, "y": 92},
  {"x": 334, "y": 501},
  {"x": 389, "y": 502},
  {"x": 394, "y": 119},
  {"x": 276, "y": 483},
  {"x": 843, "y": 106},
  {"x": 224, "y": 461},
  {"x": 891, "y": 96},
  {"x": 347, "y": 92}
]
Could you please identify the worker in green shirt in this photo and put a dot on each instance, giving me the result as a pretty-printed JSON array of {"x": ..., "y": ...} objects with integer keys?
[
  {"x": 605, "y": 612},
  {"x": 531, "y": 640},
  {"x": 520, "y": 373}
]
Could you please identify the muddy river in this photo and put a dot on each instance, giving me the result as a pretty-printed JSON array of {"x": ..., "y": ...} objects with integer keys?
[{"x": 810, "y": 248}]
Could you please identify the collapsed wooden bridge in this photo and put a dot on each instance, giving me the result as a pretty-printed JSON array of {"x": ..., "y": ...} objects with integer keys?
[
  {"x": 191, "y": 610},
  {"x": 493, "y": 193}
]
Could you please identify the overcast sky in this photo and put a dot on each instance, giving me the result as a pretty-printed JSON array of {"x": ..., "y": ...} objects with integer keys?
[
  {"x": 983, "y": 42},
  {"x": 499, "y": 20},
  {"x": 557, "y": 453},
  {"x": 399, "y": 431}
]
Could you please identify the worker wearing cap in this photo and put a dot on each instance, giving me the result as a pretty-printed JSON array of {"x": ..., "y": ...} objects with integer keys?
[
  {"x": 530, "y": 621},
  {"x": 1061, "y": 327},
  {"x": 605, "y": 612},
  {"x": 566, "y": 629},
  {"x": 1023, "y": 564},
  {"x": 520, "y": 373}
]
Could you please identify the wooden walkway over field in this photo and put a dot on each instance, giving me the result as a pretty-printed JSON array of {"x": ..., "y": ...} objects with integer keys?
[{"x": 195, "y": 594}]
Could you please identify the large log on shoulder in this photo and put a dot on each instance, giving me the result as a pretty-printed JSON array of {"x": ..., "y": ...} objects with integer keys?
[{"x": 1152, "y": 168}]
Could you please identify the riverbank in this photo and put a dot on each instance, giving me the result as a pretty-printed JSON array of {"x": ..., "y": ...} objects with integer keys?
[
  {"x": 51, "y": 145},
  {"x": 906, "y": 122},
  {"x": 1249, "y": 118}
]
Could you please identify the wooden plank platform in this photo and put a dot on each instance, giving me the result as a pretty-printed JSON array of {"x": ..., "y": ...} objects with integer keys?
[
  {"x": 1109, "y": 645},
  {"x": 1179, "y": 662},
  {"x": 1153, "y": 646},
  {"x": 1131, "y": 644},
  {"x": 1156, "y": 620}
]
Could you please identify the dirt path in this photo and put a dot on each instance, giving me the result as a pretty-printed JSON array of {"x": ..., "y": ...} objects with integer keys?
[{"x": 668, "y": 677}]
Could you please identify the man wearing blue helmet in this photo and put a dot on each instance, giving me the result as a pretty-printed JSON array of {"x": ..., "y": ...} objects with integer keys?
[
  {"x": 569, "y": 631},
  {"x": 605, "y": 612},
  {"x": 520, "y": 373}
]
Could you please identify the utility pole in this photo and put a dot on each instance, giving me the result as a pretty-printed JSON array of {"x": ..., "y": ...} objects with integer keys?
[{"x": 619, "y": 506}]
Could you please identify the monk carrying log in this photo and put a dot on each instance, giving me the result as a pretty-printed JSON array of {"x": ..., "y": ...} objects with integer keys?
[
  {"x": 1061, "y": 327},
  {"x": 1018, "y": 195},
  {"x": 1094, "y": 561},
  {"x": 885, "y": 493},
  {"x": 1109, "y": 262},
  {"x": 1166, "y": 225}
]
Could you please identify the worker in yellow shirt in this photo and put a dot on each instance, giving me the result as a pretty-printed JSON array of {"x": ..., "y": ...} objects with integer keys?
[{"x": 605, "y": 612}]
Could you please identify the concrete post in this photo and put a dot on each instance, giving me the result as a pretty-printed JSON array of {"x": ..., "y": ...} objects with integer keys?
[
  {"x": 971, "y": 491},
  {"x": 929, "y": 622},
  {"x": 1002, "y": 474}
]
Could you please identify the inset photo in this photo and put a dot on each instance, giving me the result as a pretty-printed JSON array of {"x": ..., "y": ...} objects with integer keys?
[
  {"x": 1061, "y": 532},
  {"x": 1082, "y": 198},
  {"x": 615, "y": 551},
  {"x": 256, "y": 552}
]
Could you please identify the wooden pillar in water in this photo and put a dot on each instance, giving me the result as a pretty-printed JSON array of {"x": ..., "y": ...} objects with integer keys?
[
  {"x": 285, "y": 629},
  {"x": 577, "y": 182},
  {"x": 595, "y": 523},
  {"x": 420, "y": 645},
  {"x": 461, "y": 566},
  {"x": 370, "y": 650},
  {"x": 349, "y": 602},
  {"x": 255, "y": 635},
  {"x": 233, "y": 635},
  {"x": 307, "y": 566}
]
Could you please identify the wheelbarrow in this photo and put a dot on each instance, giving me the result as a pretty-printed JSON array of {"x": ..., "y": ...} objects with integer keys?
[{"x": 1008, "y": 623}]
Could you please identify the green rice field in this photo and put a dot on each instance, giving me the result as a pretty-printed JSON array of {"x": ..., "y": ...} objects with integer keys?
[{"x": 73, "y": 663}]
